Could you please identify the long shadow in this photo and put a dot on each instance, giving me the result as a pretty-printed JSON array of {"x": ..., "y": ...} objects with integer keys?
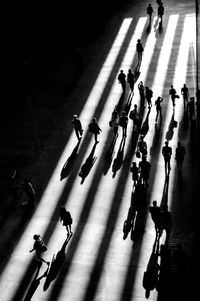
[
  {"x": 117, "y": 163},
  {"x": 173, "y": 124},
  {"x": 145, "y": 126},
  {"x": 151, "y": 275},
  {"x": 35, "y": 283},
  {"x": 83, "y": 220},
  {"x": 87, "y": 166},
  {"x": 109, "y": 155},
  {"x": 69, "y": 164},
  {"x": 164, "y": 199},
  {"x": 56, "y": 264}
]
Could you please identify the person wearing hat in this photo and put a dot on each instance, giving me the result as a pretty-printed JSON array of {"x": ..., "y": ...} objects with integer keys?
[{"x": 77, "y": 127}]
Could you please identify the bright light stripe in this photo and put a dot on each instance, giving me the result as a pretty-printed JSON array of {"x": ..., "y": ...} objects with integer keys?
[
  {"x": 76, "y": 201},
  {"x": 55, "y": 187},
  {"x": 156, "y": 193},
  {"x": 188, "y": 38}
]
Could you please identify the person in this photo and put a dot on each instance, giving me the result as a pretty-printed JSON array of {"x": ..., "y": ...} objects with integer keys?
[
  {"x": 160, "y": 12},
  {"x": 114, "y": 122},
  {"x": 144, "y": 169},
  {"x": 77, "y": 127},
  {"x": 131, "y": 79},
  {"x": 155, "y": 212},
  {"x": 142, "y": 146},
  {"x": 166, "y": 222},
  {"x": 191, "y": 109},
  {"x": 135, "y": 172},
  {"x": 123, "y": 122},
  {"x": 39, "y": 247},
  {"x": 167, "y": 152},
  {"x": 122, "y": 80},
  {"x": 94, "y": 128},
  {"x": 149, "y": 12},
  {"x": 66, "y": 219},
  {"x": 135, "y": 116},
  {"x": 158, "y": 108},
  {"x": 172, "y": 93},
  {"x": 180, "y": 155},
  {"x": 149, "y": 95},
  {"x": 185, "y": 93},
  {"x": 30, "y": 192},
  {"x": 141, "y": 89},
  {"x": 139, "y": 49}
]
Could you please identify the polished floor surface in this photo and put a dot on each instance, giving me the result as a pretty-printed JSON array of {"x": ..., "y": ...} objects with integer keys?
[{"x": 97, "y": 262}]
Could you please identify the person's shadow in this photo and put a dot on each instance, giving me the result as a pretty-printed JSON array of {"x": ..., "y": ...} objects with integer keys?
[
  {"x": 145, "y": 126},
  {"x": 129, "y": 223},
  {"x": 69, "y": 163},
  {"x": 164, "y": 200},
  {"x": 128, "y": 103},
  {"x": 151, "y": 275},
  {"x": 56, "y": 264},
  {"x": 173, "y": 124},
  {"x": 109, "y": 155},
  {"x": 35, "y": 283},
  {"x": 119, "y": 159},
  {"x": 87, "y": 166}
]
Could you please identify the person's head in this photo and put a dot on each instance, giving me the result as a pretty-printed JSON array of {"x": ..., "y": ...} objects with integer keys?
[
  {"x": 138, "y": 40},
  {"x": 75, "y": 116},
  {"x": 36, "y": 236},
  {"x": 121, "y": 71},
  {"x": 166, "y": 143},
  {"x": 154, "y": 203},
  {"x": 129, "y": 70},
  {"x": 94, "y": 119},
  {"x": 147, "y": 88},
  {"x": 172, "y": 86},
  {"x": 135, "y": 106},
  {"x": 184, "y": 85}
]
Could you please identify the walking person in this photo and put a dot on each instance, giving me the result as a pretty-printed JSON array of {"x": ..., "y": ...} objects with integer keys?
[
  {"x": 77, "y": 127},
  {"x": 180, "y": 155},
  {"x": 114, "y": 122},
  {"x": 66, "y": 219},
  {"x": 135, "y": 116},
  {"x": 160, "y": 12},
  {"x": 131, "y": 79},
  {"x": 158, "y": 108},
  {"x": 95, "y": 129},
  {"x": 134, "y": 169},
  {"x": 141, "y": 89},
  {"x": 167, "y": 152},
  {"x": 155, "y": 212},
  {"x": 172, "y": 93},
  {"x": 122, "y": 80},
  {"x": 191, "y": 109},
  {"x": 149, "y": 95},
  {"x": 185, "y": 93},
  {"x": 139, "y": 49},
  {"x": 30, "y": 192},
  {"x": 149, "y": 12},
  {"x": 123, "y": 122},
  {"x": 142, "y": 146},
  {"x": 39, "y": 247},
  {"x": 144, "y": 169}
]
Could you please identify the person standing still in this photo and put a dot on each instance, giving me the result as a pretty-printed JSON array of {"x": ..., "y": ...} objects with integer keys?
[
  {"x": 158, "y": 108},
  {"x": 122, "y": 80},
  {"x": 139, "y": 49},
  {"x": 185, "y": 93},
  {"x": 77, "y": 127},
  {"x": 149, "y": 12},
  {"x": 167, "y": 152},
  {"x": 180, "y": 155}
]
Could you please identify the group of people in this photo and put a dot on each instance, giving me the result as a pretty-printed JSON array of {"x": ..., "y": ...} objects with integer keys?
[
  {"x": 40, "y": 247},
  {"x": 160, "y": 11}
]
